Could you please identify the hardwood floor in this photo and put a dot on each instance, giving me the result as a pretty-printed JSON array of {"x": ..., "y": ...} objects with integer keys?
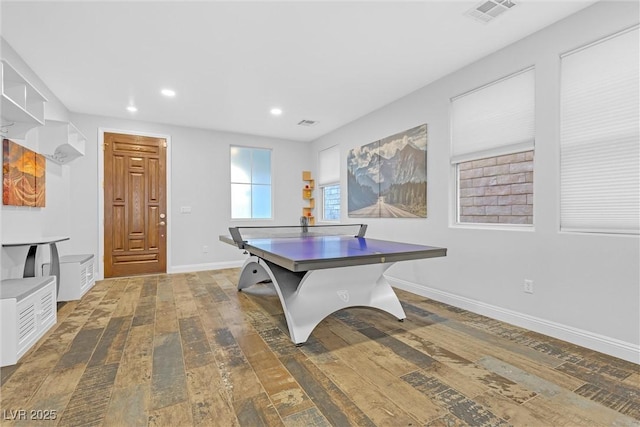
[{"x": 188, "y": 349}]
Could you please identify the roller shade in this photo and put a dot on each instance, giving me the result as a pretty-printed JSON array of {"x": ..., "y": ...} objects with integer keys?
[
  {"x": 329, "y": 165},
  {"x": 495, "y": 119},
  {"x": 600, "y": 137}
]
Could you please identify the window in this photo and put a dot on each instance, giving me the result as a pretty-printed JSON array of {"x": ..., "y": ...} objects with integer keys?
[
  {"x": 329, "y": 182},
  {"x": 250, "y": 183},
  {"x": 599, "y": 138},
  {"x": 493, "y": 151},
  {"x": 331, "y": 202}
]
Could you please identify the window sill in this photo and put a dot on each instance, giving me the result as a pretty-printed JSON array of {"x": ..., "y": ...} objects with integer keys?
[
  {"x": 499, "y": 227},
  {"x": 597, "y": 233}
]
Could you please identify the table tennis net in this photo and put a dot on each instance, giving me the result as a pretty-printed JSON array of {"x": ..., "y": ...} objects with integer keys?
[{"x": 240, "y": 234}]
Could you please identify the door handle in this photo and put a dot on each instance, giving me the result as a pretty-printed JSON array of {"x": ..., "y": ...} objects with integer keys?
[{"x": 162, "y": 223}]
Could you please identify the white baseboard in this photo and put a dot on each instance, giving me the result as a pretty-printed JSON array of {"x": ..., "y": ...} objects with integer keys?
[
  {"x": 203, "y": 267},
  {"x": 192, "y": 268},
  {"x": 611, "y": 346}
]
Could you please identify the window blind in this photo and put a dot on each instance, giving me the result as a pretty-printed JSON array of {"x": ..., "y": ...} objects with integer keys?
[
  {"x": 600, "y": 139},
  {"x": 495, "y": 119},
  {"x": 329, "y": 166}
]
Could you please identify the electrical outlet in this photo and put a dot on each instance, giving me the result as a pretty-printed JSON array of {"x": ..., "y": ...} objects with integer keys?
[
  {"x": 205, "y": 249},
  {"x": 528, "y": 286}
]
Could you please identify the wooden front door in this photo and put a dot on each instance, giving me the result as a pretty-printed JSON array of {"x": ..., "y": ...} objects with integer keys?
[{"x": 135, "y": 214}]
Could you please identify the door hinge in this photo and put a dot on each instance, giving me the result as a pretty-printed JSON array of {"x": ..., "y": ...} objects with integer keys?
[{"x": 164, "y": 144}]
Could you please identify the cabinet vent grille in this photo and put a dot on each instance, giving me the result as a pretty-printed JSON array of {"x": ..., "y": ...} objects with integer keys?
[
  {"x": 47, "y": 305},
  {"x": 83, "y": 277},
  {"x": 26, "y": 321}
]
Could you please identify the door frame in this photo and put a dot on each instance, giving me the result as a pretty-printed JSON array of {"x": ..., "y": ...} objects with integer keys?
[{"x": 101, "y": 132}]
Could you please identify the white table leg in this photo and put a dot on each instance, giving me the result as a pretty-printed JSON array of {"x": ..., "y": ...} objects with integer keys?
[{"x": 308, "y": 297}]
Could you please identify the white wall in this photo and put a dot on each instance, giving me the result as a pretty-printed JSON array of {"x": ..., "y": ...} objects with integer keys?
[
  {"x": 586, "y": 286},
  {"x": 17, "y": 221},
  {"x": 199, "y": 178},
  {"x": 20, "y": 222}
]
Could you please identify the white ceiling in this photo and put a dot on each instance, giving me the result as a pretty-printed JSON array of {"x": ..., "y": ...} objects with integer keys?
[{"x": 231, "y": 62}]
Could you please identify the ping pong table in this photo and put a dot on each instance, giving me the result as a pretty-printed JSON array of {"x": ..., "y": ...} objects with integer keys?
[{"x": 318, "y": 270}]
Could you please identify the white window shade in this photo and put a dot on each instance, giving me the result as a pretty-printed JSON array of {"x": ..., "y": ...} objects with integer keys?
[
  {"x": 494, "y": 120},
  {"x": 329, "y": 165},
  {"x": 600, "y": 139}
]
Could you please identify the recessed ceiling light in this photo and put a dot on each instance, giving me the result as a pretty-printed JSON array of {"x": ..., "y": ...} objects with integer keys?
[
  {"x": 168, "y": 93},
  {"x": 276, "y": 111},
  {"x": 132, "y": 109}
]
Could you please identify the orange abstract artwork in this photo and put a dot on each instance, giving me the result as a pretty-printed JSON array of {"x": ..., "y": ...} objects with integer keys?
[{"x": 24, "y": 175}]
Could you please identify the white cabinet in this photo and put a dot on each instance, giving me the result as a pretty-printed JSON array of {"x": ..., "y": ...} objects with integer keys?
[
  {"x": 27, "y": 311},
  {"x": 77, "y": 276},
  {"x": 65, "y": 137},
  {"x": 22, "y": 103}
]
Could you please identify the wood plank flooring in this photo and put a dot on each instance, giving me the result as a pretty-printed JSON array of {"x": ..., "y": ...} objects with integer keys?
[{"x": 188, "y": 349}]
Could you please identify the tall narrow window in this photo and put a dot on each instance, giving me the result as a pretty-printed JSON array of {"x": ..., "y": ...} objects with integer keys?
[
  {"x": 329, "y": 182},
  {"x": 331, "y": 202},
  {"x": 600, "y": 139},
  {"x": 493, "y": 138},
  {"x": 250, "y": 183}
]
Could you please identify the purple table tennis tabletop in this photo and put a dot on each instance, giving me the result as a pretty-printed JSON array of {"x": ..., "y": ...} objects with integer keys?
[
  {"x": 320, "y": 252},
  {"x": 316, "y": 271}
]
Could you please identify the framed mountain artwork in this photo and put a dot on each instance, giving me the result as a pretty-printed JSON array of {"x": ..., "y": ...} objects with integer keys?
[{"x": 388, "y": 178}]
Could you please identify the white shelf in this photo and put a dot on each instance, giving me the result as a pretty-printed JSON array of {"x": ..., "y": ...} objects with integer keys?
[
  {"x": 22, "y": 103},
  {"x": 67, "y": 139}
]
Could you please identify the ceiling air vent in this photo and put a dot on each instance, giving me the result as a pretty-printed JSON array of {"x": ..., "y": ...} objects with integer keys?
[
  {"x": 307, "y": 122},
  {"x": 488, "y": 10}
]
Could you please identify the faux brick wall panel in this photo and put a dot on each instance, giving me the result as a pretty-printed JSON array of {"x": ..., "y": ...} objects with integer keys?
[
  {"x": 520, "y": 199},
  {"x": 497, "y": 189},
  {"x": 471, "y": 173}
]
